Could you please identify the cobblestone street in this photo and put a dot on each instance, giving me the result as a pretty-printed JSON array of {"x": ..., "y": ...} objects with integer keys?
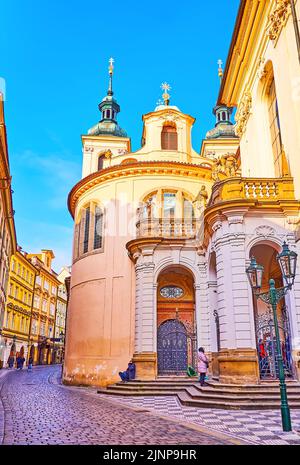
[{"x": 36, "y": 409}]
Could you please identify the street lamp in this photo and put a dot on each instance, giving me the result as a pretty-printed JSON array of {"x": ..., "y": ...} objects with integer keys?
[{"x": 287, "y": 260}]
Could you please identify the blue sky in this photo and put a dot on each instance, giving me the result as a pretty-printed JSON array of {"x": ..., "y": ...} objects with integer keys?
[{"x": 53, "y": 64}]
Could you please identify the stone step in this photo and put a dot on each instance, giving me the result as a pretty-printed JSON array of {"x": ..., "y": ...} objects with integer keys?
[
  {"x": 213, "y": 395},
  {"x": 259, "y": 390},
  {"x": 206, "y": 403},
  {"x": 198, "y": 393}
]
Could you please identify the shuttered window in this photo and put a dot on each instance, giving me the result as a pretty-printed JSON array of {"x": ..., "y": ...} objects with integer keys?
[{"x": 169, "y": 139}]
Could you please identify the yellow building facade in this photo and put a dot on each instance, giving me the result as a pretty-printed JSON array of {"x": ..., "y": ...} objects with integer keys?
[
  {"x": 18, "y": 311},
  {"x": 44, "y": 308},
  {"x": 8, "y": 242}
]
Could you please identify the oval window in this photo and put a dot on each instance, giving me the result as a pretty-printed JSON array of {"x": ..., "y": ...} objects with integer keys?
[{"x": 171, "y": 292}]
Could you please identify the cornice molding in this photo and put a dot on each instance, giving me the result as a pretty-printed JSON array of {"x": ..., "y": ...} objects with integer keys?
[{"x": 136, "y": 169}]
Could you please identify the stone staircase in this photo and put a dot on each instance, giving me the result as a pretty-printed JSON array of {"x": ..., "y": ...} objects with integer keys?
[{"x": 265, "y": 395}]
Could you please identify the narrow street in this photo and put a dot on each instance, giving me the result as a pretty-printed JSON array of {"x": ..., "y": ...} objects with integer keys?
[{"x": 36, "y": 409}]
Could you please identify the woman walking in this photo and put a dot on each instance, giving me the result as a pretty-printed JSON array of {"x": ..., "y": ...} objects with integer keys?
[{"x": 202, "y": 365}]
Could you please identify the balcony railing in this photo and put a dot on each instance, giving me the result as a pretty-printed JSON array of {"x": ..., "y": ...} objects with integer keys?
[
  {"x": 168, "y": 228},
  {"x": 261, "y": 190}
]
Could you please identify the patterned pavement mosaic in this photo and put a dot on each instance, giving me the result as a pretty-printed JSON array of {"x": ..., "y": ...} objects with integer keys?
[{"x": 253, "y": 426}]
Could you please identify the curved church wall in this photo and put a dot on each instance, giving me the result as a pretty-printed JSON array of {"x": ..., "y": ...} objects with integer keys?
[{"x": 101, "y": 313}]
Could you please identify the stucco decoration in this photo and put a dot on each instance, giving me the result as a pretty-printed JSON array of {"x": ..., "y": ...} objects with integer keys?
[
  {"x": 107, "y": 153},
  {"x": 169, "y": 116},
  {"x": 227, "y": 164},
  {"x": 261, "y": 69},
  {"x": 278, "y": 18},
  {"x": 201, "y": 198},
  {"x": 243, "y": 113},
  {"x": 265, "y": 231}
]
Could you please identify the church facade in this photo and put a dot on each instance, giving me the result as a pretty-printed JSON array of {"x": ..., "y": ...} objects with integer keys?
[{"x": 163, "y": 235}]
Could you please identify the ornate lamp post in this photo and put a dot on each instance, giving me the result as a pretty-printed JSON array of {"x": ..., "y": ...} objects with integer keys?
[{"x": 287, "y": 260}]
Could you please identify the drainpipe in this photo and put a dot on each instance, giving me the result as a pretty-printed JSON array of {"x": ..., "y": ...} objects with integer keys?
[{"x": 296, "y": 26}]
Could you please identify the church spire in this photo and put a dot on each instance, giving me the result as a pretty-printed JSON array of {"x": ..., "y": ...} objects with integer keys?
[
  {"x": 111, "y": 72},
  {"x": 223, "y": 127},
  {"x": 109, "y": 109}
]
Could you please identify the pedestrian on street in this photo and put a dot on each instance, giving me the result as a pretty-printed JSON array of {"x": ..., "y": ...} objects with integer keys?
[
  {"x": 22, "y": 361},
  {"x": 10, "y": 361},
  {"x": 202, "y": 365},
  {"x": 30, "y": 363}
]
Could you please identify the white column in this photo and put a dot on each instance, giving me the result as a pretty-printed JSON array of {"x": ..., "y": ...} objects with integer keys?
[
  {"x": 202, "y": 307},
  {"x": 145, "y": 307}
]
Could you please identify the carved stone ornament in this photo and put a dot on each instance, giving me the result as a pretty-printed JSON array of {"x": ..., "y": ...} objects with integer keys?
[
  {"x": 243, "y": 113},
  {"x": 261, "y": 70},
  {"x": 107, "y": 153},
  {"x": 265, "y": 231},
  {"x": 217, "y": 225},
  {"x": 278, "y": 18},
  {"x": 169, "y": 116},
  {"x": 227, "y": 164},
  {"x": 89, "y": 149}
]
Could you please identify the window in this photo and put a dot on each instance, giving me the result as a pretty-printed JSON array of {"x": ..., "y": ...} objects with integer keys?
[
  {"x": 169, "y": 204},
  {"x": 36, "y": 301},
  {"x": 43, "y": 328},
  {"x": 13, "y": 265},
  {"x": 46, "y": 285},
  {"x": 275, "y": 129},
  {"x": 16, "y": 292},
  {"x": 34, "y": 327},
  {"x": 44, "y": 305},
  {"x": 100, "y": 162},
  {"x": 98, "y": 228},
  {"x": 11, "y": 289},
  {"x": 169, "y": 139},
  {"x": 52, "y": 309},
  {"x": 88, "y": 235},
  {"x": 86, "y": 230},
  {"x": 188, "y": 211},
  {"x": 171, "y": 292},
  {"x": 38, "y": 280}
]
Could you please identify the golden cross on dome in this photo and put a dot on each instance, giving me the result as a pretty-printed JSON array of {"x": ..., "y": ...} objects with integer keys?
[
  {"x": 166, "y": 87},
  {"x": 220, "y": 69},
  {"x": 111, "y": 65}
]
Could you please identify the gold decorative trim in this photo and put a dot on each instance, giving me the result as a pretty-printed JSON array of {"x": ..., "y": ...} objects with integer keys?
[
  {"x": 278, "y": 19},
  {"x": 243, "y": 113}
]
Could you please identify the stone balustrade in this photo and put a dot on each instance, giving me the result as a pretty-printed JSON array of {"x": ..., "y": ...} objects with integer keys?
[
  {"x": 257, "y": 189},
  {"x": 168, "y": 228}
]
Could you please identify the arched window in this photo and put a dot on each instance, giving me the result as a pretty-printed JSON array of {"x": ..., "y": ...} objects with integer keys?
[
  {"x": 88, "y": 233},
  {"x": 169, "y": 139},
  {"x": 86, "y": 230},
  {"x": 98, "y": 227},
  {"x": 275, "y": 132}
]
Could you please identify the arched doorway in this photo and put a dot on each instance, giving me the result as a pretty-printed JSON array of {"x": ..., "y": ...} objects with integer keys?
[
  {"x": 265, "y": 255},
  {"x": 176, "y": 324}
]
